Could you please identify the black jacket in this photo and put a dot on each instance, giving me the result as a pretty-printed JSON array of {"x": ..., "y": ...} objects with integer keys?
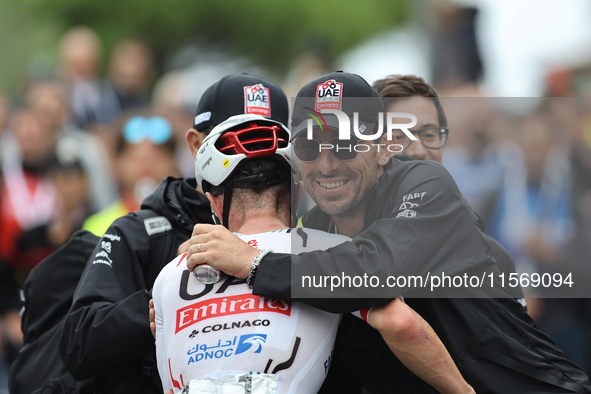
[
  {"x": 492, "y": 340},
  {"x": 107, "y": 333}
]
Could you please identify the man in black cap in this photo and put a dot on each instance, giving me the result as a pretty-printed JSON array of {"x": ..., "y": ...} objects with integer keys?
[
  {"x": 407, "y": 219},
  {"x": 106, "y": 334}
]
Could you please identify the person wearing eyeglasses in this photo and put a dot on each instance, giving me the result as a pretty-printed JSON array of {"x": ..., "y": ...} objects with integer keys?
[
  {"x": 405, "y": 217},
  {"x": 144, "y": 152},
  {"x": 409, "y": 93}
]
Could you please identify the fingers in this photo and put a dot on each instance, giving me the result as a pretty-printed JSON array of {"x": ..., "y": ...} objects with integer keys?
[
  {"x": 152, "y": 312},
  {"x": 203, "y": 228},
  {"x": 184, "y": 247},
  {"x": 152, "y": 319},
  {"x": 205, "y": 237},
  {"x": 197, "y": 257}
]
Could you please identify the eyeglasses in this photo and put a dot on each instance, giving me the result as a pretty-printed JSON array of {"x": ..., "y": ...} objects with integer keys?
[
  {"x": 432, "y": 137},
  {"x": 309, "y": 150},
  {"x": 156, "y": 129}
]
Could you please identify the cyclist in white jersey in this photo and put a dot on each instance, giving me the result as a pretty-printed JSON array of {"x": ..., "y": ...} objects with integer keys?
[
  {"x": 219, "y": 333},
  {"x": 220, "y": 338},
  {"x": 224, "y": 327}
]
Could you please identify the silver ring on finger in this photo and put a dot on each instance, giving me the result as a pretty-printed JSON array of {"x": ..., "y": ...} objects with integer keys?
[{"x": 199, "y": 247}]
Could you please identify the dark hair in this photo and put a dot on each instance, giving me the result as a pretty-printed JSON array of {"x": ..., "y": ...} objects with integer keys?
[
  {"x": 254, "y": 167},
  {"x": 394, "y": 87},
  {"x": 262, "y": 195}
]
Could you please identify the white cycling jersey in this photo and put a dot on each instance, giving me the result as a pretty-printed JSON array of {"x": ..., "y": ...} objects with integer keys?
[{"x": 223, "y": 330}]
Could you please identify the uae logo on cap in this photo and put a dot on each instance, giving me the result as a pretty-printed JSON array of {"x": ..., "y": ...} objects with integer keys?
[
  {"x": 328, "y": 95},
  {"x": 257, "y": 100}
]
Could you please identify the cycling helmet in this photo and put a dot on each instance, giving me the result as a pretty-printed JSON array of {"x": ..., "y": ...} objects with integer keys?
[{"x": 236, "y": 140}]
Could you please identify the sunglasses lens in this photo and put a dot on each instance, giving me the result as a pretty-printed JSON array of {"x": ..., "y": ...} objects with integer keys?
[
  {"x": 344, "y": 149},
  {"x": 133, "y": 131},
  {"x": 156, "y": 129},
  {"x": 307, "y": 150}
]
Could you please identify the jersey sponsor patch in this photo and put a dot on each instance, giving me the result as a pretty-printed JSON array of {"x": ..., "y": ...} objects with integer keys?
[
  {"x": 226, "y": 306},
  {"x": 231, "y": 326},
  {"x": 156, "y": 225},
  {"x": 328, "y": 95},
  {"x": 257, "y": 100},
  {"x": 248, "y": 343}
]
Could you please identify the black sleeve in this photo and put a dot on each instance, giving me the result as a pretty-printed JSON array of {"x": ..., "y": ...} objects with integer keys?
[
  {"x": 108, "y": 322},
  {"x": 505, "y": 263},
  {"x": 442, "y": 236}
]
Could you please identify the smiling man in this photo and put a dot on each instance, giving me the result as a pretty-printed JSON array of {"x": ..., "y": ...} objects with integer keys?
[{"x": 408, "y": 219}]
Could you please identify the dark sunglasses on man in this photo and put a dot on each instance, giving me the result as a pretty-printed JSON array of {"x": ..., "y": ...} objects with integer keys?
[{"x": 308, "y": 150}]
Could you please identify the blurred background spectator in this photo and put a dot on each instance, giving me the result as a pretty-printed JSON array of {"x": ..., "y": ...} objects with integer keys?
[
  {"x": 48, "y": 99},
  {"x": 144, "y": 155},
  {"x": 81, "y": 75}
]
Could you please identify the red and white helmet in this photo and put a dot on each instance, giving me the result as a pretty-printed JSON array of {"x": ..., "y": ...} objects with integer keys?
[{"x": 239, "y": 138}]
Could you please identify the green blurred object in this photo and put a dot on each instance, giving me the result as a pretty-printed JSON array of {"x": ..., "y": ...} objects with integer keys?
[
  {"x": 28, "y": 44},
  {"x": 272, "y": 33}
]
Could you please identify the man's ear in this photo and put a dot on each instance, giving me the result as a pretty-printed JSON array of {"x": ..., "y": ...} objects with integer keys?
[
  {"x": 384, "y": 155},
  {"x": 195, "y": 140},
  {"x": 216, "y": 204}
]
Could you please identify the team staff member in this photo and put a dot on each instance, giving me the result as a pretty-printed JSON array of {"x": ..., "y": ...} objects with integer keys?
[
  {"x": 255, "y": 206},
  {"x": 106, "y": 334},
  {"x": 492, "y": 341},
  {"x": 411, "y": 94}
]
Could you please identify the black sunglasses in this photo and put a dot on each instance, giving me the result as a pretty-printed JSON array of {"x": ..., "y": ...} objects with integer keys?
[{"x": 309, "y": 150}]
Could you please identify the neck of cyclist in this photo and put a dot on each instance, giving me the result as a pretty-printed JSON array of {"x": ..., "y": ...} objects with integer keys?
[{"x": 255, "y": 221}]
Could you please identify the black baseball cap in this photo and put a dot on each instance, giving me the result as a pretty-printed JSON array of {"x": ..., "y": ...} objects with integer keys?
[
  {"x": 342, "y": 91},
  {"x": 239, "y": 94}
]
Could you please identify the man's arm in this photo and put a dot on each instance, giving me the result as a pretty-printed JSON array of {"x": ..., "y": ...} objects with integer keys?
[
  {"x": 442, "y": 236},
  {"x": 107, "y": 324},
  {"x": 415, "y": 344}
]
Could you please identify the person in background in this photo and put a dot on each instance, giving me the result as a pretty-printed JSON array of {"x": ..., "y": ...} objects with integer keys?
[
  {"x": 409, "y": 93},
  {"x": 547, "y": 224},
  {"x": 79, "y": 56},
  {"x": 27, "y": 196},
  {"x": 48, "y": 99},
  {"x": 69, "y": 181},
  {"x": 130, "y": 73},
  {"x": 27, "y": 199},
  {"x": 144, "y": 155}
]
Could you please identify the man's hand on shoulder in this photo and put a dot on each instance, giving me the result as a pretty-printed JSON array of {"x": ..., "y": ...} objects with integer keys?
[{"x": 217, "y": 246}]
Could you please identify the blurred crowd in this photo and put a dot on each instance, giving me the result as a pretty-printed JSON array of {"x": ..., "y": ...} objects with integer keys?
[{"x": 81, "y": 146}]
